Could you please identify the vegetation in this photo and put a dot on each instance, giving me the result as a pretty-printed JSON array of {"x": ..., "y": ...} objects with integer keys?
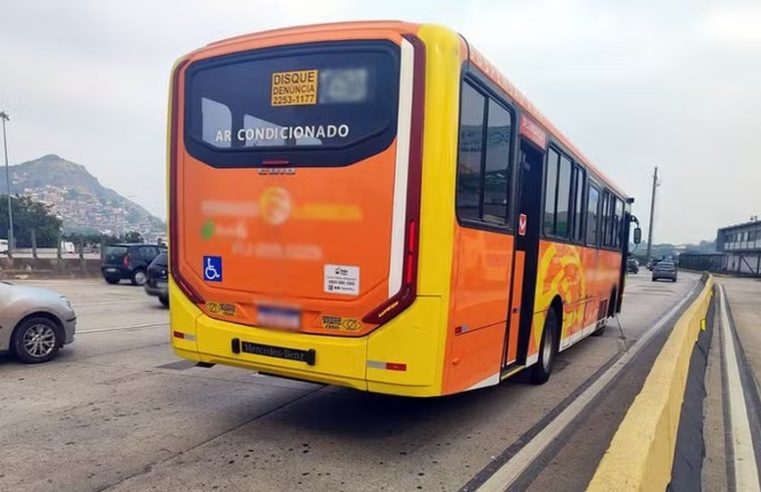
[{"x": 29, "y": 215}]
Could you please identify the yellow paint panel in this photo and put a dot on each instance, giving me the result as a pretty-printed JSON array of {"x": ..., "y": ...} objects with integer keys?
[{"x": 409, "y": 339}]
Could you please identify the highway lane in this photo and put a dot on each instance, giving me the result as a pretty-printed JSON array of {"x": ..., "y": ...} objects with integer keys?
[{"x": 118, "y": 409}]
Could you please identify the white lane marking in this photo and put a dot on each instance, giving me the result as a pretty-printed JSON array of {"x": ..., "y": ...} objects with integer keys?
[
  {"x": 513, "y": 469},
  {"x": 744, "y": 459},
  {"x": 401, "y": 169},
  {"x": 125, "y": 327}
]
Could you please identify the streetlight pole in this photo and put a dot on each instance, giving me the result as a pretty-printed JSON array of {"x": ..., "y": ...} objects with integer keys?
[
  {"x": 4, "y": 117},
  {"x": 652, "y": 209}
]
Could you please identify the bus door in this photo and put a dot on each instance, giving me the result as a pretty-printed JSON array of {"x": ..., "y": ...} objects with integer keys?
[{"x": 528, "y": 225}]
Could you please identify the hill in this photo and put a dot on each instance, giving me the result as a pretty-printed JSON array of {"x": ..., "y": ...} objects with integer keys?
[{"x": 78, "y": 198}]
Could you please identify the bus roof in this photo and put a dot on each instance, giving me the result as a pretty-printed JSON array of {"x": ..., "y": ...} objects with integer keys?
[{"x": 474, "y": 56}]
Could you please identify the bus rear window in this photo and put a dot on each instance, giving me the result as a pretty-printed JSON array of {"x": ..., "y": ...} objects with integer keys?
[{"x": 284, "y": 101}]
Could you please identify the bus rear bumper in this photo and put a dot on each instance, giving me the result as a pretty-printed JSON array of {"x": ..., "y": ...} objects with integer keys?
[{"x": 403, "y": 357}]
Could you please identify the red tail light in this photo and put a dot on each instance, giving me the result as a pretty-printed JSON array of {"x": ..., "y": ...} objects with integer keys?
[{"x": 406, "y": 295}]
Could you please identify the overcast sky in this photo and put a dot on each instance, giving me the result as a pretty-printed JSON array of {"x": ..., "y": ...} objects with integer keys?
[{"x": 634, "y": 84}]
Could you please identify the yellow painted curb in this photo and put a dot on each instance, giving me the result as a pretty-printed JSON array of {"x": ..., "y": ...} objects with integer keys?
[{"x": 641, "y": 454}]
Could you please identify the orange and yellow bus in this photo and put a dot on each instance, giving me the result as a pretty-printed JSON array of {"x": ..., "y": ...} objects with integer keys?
[{"x": 372, "y": 204}]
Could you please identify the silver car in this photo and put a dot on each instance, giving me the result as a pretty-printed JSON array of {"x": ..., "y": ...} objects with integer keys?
[
  {"x": 34, "y": 323},
  {"x": 664, "y": 269}
]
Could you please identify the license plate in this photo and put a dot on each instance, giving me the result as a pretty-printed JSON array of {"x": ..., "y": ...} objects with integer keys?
[
  {"x": 161, "y": 284},
  {"x": 307, "y": 356},
  {"x": 111, "y": 270},
  {"x": 278, "y": 317}
]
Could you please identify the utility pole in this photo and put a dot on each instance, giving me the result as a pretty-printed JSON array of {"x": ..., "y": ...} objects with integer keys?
[
  {"x": 4, "y": 117},
  {"x": 652, "y": 210}
]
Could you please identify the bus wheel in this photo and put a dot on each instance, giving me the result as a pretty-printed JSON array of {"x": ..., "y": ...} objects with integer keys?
[
  {"x": 540, "y": 372},
  {"x": 600, "y": 330}
]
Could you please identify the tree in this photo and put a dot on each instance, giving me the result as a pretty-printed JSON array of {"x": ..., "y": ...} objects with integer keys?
[{"x": 29, "y": 215}]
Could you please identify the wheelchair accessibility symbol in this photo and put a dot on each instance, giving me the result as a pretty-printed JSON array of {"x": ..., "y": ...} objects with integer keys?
[{"x": 212, "y": 268}]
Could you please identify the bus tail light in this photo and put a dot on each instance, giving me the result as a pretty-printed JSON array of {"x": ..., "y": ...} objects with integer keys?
[
  {"x": 403, "y": 299},
  {"x": 408, "y": 291},
  {"x": 174, "y": 248}
]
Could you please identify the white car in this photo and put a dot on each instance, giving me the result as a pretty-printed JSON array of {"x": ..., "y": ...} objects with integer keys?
[
  {"x": 34, "y": 323},
  {"x": 3, "y": 246}
]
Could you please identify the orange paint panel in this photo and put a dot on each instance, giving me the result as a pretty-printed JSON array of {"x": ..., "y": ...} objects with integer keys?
[
  {"x": 481, "y": 276},
  {"x": 277, "y": 233},
  {"x": 582, "y": 278},
  {"x": 475, "y": 356},
  {"x": 481, "y": 286}
]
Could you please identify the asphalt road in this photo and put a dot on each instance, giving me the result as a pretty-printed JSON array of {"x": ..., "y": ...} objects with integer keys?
[{"x": 118, "y": 410}]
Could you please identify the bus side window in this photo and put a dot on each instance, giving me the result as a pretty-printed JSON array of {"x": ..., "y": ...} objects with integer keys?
[
  {"x": 557, "y": 195},
  {"x": 618, "y": 215},
  {"x": 550, "y": 192},
  {"x": 610, "y": 220},
  {"x": 562, "y": 223},
  {"x": 469, "y": 177},
  {"x": 483, "y": 169},
  {"x": 578, "y": 203},
  {"x": 497, "y": 168},
  {"x": 593, "y": 200},
  {"x": 605, "y": 218}
]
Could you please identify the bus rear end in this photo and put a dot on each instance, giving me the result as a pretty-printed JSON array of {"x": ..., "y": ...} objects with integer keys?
[{"x": 294, "y": 207}]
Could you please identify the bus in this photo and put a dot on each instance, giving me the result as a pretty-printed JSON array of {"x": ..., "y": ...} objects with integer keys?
[{"x": 374, "y": 205}]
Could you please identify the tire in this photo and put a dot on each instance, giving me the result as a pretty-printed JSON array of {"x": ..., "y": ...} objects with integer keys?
[
  {"x": 111, "y": 280},
  {"x": 600, "y": 330},
  {"x": 138, "y": 277},
  {"x": 164, "y": 301},
  {"x": 548, "y": 349},
  {"x": 36, "y": 340}
]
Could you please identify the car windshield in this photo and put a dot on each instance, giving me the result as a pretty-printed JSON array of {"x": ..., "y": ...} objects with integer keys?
[{"x": 664, "y": 266}]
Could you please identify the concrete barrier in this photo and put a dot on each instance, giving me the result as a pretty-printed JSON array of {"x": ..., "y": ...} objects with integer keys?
[
  {"x": 641, "y": 454},
  {"x": 19, "y": 268}
]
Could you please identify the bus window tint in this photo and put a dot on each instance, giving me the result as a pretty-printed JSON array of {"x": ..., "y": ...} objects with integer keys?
[
  {"x": 550, "y": 189},
  {"x": 618, "y": 214},
  {"x": 216, "y": 117},
  {"x": 578, "y": 212},
  {"x": 607, "y": 225},
  {"x": 314, "y": 97},
  {"x": 470, "y": 153},
  {"x": 592, "y": 203},
  {"x": 496, "y": 175},
  {"x": 563, "y": 200}
]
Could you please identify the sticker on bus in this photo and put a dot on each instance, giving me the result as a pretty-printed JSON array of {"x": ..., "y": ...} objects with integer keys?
[
  {"x": 341, "y": 279},
  {"x": 295, "y": 88},
  {"x": 341, "y": 323}
]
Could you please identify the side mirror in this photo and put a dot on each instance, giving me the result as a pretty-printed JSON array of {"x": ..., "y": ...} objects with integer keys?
[{"x": 637, "y": 235}]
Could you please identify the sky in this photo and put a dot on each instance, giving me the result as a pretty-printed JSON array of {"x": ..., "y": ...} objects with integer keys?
[{"x": 675, "y": 84}]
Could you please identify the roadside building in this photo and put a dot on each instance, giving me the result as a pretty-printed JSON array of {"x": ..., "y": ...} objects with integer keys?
[
  {"x": 741, "y": 244},
  {"x": 738, "y": 251}
]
